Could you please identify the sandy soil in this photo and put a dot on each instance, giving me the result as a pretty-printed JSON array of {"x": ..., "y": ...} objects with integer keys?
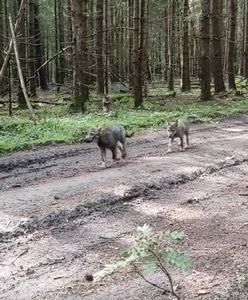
[{"x": 62, "y": 215}]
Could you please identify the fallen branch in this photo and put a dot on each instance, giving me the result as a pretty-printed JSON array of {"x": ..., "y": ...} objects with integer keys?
[
  {"x": 118, "y": 78},
  {"x": 48, "y": 61},
  {"x": 46, "y": 102},
  {"x": 19, "y": 255},
  {"x": 17, "y": 26}
]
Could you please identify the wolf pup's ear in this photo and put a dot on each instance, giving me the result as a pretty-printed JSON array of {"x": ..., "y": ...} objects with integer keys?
[{"x": 176, "y": 123}]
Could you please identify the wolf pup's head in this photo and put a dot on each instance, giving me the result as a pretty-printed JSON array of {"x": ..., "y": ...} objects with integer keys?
[
  {"x": 171, "y": 129},
  {"x": 93, "y": 133}
]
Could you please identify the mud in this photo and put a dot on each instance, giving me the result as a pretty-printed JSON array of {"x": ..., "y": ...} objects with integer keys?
[{"x": 62, "y": 215}]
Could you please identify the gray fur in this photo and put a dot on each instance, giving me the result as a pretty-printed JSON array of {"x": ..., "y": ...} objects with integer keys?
[
  {"x": 111, "y": 137},
  {"x": 178, "y": 129},
  {"x": 107, "y": 103}
]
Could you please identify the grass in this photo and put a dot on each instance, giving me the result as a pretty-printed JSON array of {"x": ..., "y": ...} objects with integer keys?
[{"x": 56, "y": 124}]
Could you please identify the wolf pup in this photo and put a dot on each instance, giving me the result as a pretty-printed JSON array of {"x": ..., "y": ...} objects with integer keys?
[
  {"x": 111, "y": 137},
  {"x": 107, "y": 103},
  {"x": 178, "y": 129}
]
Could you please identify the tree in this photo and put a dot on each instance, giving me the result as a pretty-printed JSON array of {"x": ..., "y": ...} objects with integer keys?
[
  {"x": 22, "y": 53},
  {"x": 80, "y": 77},
  {"x": 185, "y": 49},
  {"x": 232, "y": 43},
  {"x": 39, "y": 47},
  {"x": 137, "y": 56},
  {"x": 31, "y": 49},
  {"x": 204, "y": 63},
  {"x": 217, "y": 65},
  {"x": 99, "y": 47},
  {"x": 171, "y": 43}
]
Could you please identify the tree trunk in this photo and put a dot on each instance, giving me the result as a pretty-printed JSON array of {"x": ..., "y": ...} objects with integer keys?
[
  {"x": 204, "y": 63},
  {"x": 22, "y": 53},
  {"x": 232, "y": 43},
  {"x": 107, "y": 46},
  {"x": 130, "y": 25},
  {"x": 20, "y": 70},
  {"x": 171, "y": 43},
  {"x": 137, "y": 86},
  {"x": 39, "y": 47},
  {"x": 2, "y": 33},
  {"x": 31, "y": 65},
  {"x": 61, "y": 30},
  {"x": 246, "y": 42},
  {"x": 99, "y": 47},
  {"x": 166, "y": 32},
  {"x": 80, "y": 77},
  {"x": 185, "y": 49},
  {"x": 217, "y": 65}
]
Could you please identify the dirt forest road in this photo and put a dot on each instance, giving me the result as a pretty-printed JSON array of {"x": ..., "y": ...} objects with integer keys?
[{"x": 62, "y": 216}]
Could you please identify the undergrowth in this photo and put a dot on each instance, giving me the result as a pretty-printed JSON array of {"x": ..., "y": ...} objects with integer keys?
[{"x": 57, "y": 124}]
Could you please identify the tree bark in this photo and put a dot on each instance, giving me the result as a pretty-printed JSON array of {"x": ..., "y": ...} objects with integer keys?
[
  {"x": 246, "y": 42},
  {"x": 232, "y": 43},
  {"x": 22, "y": 54},
  {"x": 171, "y": 43},
  {"x": 217, "y": 65},
  {"x": 39, "y": 48},
  {"x": 31, "y": 65},
  {"x": 80, "y": 77},
  {"x": 185, "y": 49},
  {"x": 137, "y": 86},
  {"x": 204, "y": 63},
  {"x": 130, "y": 37},
  {"x": 99, "y": 47}
]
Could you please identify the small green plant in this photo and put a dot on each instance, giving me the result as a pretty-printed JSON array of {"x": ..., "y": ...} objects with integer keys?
[{"x": 148, "y": 254}]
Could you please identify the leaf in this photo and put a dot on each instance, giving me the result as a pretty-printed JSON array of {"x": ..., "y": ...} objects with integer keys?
[
  {"x": 176, "y": 258},
  {"x": 148, "y": 266},
  {"x": 174, "y": 235},
  {"x": 144, "y": 230}
]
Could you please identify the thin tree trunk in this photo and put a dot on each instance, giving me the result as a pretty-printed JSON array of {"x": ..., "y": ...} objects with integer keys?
[
  {"x": 32, "y": 82},
  {"x": 204, "y": 63},
  {"x": 10, "y": 49},
  {"x": 246, "y": 43},
  {"x": 20, "y": 70},
  {"x": 166, "y": 32},
  {"x": 171, "y": 49},
  {"x": 99, "y": 47},
  {"x": 39, "y": 47},
  {"x": 80, "y": 77},
  {"x": 61, "y": 30},
  {"x": 217, "y": 65},
  {"x": 137, "y": 87},
  {"x": 232, "y": 43},
  {"x": 107, "y": 46},
  {"x": 130, "y": 24},
  {"x": 185, "y": 49},
  {"x": 22, "y": 54}
]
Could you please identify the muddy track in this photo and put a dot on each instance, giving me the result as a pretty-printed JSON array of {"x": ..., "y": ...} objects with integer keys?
[
  {"x": 60, "y": 213},
  {"x": 102, "y": 205}
]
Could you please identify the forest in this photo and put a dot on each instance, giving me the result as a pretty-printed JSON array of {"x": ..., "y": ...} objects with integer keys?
[
  {"x": 71, "y": 56},
  {"x": 97, "y": 200}
]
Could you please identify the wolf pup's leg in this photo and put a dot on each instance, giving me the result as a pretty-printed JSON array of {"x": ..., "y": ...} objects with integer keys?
[
  {"x": 170, "y": 145},
  {"x": 187, "y": 139},
  {"x": 114, "y": 153},
  {"x": 103, "y": 155},
  {"x": 182, "y": 144},
  {"x": 123, "y": 149}
]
